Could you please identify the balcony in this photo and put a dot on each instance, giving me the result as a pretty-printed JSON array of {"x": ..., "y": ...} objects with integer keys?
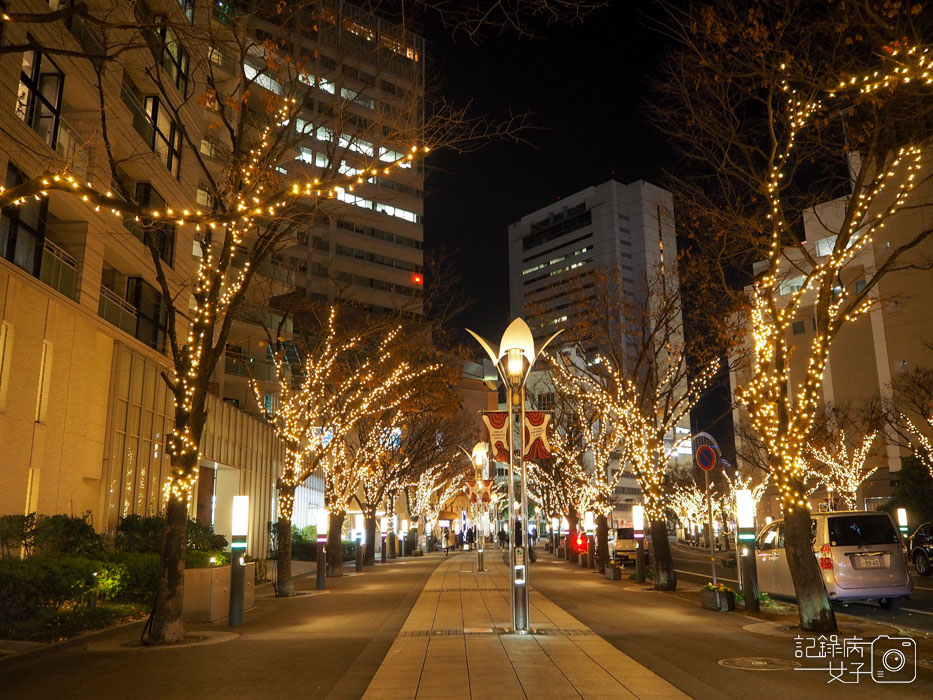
[
  {"x": 240, "y": 364},
  {"x": 141, "y": 121},
  {"x": 58, "y": 269},
  {"x": 113, "y": 309}
]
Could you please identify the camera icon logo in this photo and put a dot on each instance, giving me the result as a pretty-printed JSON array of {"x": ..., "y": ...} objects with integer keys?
[{"x": 893, "y": 659}]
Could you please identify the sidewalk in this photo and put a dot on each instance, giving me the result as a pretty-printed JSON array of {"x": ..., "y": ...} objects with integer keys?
[{"x": 454, "y": 645}]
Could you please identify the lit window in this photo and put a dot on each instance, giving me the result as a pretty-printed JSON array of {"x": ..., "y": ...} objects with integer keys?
[
  {"x": 166, "y": 136},
  {"x": 795, "y": 284},
  {"x": 39, "y": 96},
  {"x": 860, "y": 286},
  {"x": 825, "y": 246}
]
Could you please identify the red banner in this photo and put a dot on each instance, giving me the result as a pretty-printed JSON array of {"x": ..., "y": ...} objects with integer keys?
[
  {"x": 497, "y": 430},
  {"x": 537, "y": 445},
  {"x": 480, "y": 490}
]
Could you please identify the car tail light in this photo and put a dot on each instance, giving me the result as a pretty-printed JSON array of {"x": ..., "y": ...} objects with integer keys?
[{"x": 826, "y": 557}]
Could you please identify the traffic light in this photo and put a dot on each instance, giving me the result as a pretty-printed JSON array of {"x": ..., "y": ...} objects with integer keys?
[{"x": 417, "y": 279}]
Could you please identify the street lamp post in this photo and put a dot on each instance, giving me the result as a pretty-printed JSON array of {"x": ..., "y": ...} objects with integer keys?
[
  {"x": 323, "y": 520},
  {"x": 638, "y": 525},
  {"x": 239, "y": 528},
  {"x": 745, "y": 536},
  {"x": 360, "y": 543},
  {"x": 514, "y": 358}
]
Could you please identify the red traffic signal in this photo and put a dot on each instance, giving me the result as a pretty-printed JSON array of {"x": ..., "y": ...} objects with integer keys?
[{"x": 417, "y": 278}]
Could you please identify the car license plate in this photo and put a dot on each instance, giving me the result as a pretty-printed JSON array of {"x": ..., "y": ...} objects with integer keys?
[{"x": 871, "y": 562}]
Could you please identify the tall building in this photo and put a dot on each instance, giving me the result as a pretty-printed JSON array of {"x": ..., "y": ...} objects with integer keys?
[
  {"x": 84, "y": 413},
  {"x": 624, "y": 229}
]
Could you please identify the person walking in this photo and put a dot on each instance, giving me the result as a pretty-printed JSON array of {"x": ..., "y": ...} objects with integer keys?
[
  {"x": 503, "y": 538},
  {"x": 446, "y": 541}
]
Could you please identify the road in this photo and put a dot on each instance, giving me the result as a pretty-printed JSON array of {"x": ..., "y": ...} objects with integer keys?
[
  {"x": 693, "y": 565},
  {"x": 693, "y": 648}
]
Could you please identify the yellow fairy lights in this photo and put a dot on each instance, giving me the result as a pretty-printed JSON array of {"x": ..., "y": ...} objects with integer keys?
[
  {"x": 781, "y": 411},
  {"x": 847, "y": 472},
  {"x": 315, "y": 416},
  {"x": 924, "y": 449}
]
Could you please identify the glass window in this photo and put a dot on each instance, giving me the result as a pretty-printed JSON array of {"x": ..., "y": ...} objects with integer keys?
[
  {"x": 174, "y": 59},
  {"x": 795, "y": 284},
  {"x": 799, "y": 327},
  {"x": 159, "y": 234},
  {"x": 152, "y": 314},
  {"x": 39, "y": 96},
  {"x": 166, "y": 137},
  {"x": 22, "y": 229},
  {"x": 768, "y": 538},
  {"x": 187, "y": 6},
  {"x": 857, "y": 530}
]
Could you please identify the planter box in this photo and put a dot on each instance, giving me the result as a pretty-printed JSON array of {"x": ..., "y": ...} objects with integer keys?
[
  {"x": 613, "y": 573},
  {"x": 207, "y": 592},
  {"x": 723, "y": 601}
]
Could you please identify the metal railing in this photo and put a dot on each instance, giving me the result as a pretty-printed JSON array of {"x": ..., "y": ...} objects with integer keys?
[
  {"x": 58, "y": 269},
  {"x": 138, "y": 113},
  {"x": 113, "y": 309}
]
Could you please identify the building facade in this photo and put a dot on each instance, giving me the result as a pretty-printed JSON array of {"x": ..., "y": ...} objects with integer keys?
[{"x": 84, "y": 412}]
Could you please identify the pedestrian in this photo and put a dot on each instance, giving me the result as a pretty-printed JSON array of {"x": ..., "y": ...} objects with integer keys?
[
  {"x": 451, "y": 539},
  {"x": 502, "y": 538},
  {"x": 534, "y": 535},
  {"x": 446, "y": 541}
]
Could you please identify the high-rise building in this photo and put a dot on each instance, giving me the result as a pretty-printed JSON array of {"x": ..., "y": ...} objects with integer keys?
[
  {"x": 627, "y": 230},
  {"x": 84, "y": 413}
]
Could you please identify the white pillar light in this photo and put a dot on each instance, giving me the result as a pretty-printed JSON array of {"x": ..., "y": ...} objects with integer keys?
[
  {"x": 323, "y": 523},
  {"x": 638, "y": 518},
  {"x": 239, "y": 525},
  {"x": 745, "y": 508},
  {"x": 589, "y": 522}
]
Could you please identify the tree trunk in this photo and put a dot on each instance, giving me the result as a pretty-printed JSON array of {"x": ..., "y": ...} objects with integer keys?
[
  {"x": 390, "y": 544},
  {"x": 813, "y": 607},
  {"x": 572, "y": 521},
  {"x": 602, "y": 542},
  {"x": 370, "y": 556},
  {"x": 168, "y": 626},
  {"x": 334, "y": 546},
  {"x": 665, "y": 578},
  {"x": 285, "y": 587}
]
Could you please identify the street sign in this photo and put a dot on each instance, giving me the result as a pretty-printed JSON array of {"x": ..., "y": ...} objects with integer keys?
[{"x": 706, "y": 457}]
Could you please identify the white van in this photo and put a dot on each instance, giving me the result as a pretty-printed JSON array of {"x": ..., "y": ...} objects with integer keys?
[{"x": 860, "y": 555}]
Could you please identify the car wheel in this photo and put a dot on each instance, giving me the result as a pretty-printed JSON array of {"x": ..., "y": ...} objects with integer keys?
[
  {"x": 892, "y": 604},
  {"x": 922, "y": 562}
]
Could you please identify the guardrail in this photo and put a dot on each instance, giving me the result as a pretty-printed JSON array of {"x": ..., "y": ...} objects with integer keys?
[{"x": 120, "y": 313}]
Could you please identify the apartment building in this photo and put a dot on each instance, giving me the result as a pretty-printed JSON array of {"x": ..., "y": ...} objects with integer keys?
[{"x": 84, "y": 413}]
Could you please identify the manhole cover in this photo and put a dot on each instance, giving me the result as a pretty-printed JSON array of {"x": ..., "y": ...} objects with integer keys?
[{"x": 758, "y": 663}]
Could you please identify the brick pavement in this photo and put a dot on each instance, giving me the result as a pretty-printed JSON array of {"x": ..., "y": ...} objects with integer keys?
[{"x": 454, "y": 644}]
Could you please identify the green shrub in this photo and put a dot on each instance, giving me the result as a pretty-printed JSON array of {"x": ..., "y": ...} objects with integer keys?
[
  {"x": 29, "y": 584},
  {"x": 304, "y": 551},
  {"x": 66, "y": 534},
  {"x": 140, "y": 574},
  {"x": 138, "y": 534},
  {"x": 199, "y": 559},
  {"x": 16, "y": 532},
  {"x": 51, "y": 625}
]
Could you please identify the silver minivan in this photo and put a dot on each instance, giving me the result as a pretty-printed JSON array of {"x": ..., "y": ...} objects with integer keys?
[{"x": 860, "y": 556}]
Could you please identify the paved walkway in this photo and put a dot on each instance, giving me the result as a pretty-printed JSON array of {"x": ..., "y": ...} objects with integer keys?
[{"x": 454, "y": 645}]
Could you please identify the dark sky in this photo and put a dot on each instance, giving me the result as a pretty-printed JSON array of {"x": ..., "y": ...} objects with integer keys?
[{"x": 586, "y": 85}]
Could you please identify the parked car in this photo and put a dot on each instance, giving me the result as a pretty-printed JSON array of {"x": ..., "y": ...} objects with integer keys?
[
  {"x": 624, "y": 546},
  {"x": 860, "y": 555},
  {"x": 921, "y": 549}
]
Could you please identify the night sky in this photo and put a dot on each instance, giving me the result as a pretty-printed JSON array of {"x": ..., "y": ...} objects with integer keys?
[{"x": 587, "y": 87}]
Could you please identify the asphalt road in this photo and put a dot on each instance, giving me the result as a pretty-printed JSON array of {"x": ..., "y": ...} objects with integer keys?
[
  {"x": 692, "y": 648},
  {"x": 693, "y": 565},
  {"x": 326, "y": 645}
]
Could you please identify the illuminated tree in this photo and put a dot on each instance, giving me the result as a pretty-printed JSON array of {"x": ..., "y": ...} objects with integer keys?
[
  {"x": 798, "y": 150},
  {"x": 598, "y": 435},
  {"x": 847, "y": 470}
]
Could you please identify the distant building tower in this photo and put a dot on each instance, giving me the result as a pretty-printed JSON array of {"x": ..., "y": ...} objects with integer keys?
[{"x": 628, "y": 229}]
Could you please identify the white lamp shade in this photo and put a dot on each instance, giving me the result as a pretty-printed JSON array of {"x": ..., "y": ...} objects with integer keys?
[
  {"x": 589, "y": 521},
  {"x": 564, "y": 525},
  {"x": 323, "y": 521},
  {"x": 638, "y": 518},
  {"x": 385, "y": 524},
  {"x": 360, "y": 523},
  {"x": 902, "y": 517},
  {"x": 555, "y": 523},
  {"x": 404, "y": 526},
  {"x": 745, "y": 508},
  {"x": 239, "y": 526}
]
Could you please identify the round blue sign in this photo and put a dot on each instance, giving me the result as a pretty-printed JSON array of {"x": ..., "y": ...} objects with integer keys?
[{"x": 706, "y": 457}]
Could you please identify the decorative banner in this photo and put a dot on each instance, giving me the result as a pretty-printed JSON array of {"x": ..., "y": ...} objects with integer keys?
[
  {"x": 537, "y": 445},
  {"x": 497, "y": 429},
  {"x": 480, "y": 490}
]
